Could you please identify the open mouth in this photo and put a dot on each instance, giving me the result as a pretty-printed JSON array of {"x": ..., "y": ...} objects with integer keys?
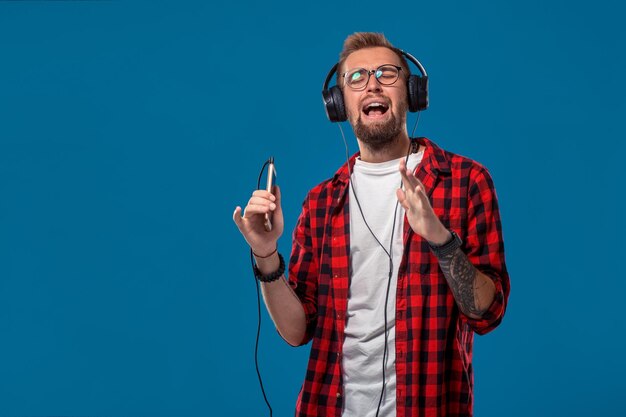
[{"x": 375, "y": 109}]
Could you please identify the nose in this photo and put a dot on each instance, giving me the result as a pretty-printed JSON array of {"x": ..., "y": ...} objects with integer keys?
[{"x": 372, "y": 82}]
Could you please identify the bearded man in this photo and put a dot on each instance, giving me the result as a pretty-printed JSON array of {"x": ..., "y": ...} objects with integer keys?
[{"x": 397, "y": 260}]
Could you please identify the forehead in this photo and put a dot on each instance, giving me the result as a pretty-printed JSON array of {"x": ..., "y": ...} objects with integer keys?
[{"x": 371, "y": 58}]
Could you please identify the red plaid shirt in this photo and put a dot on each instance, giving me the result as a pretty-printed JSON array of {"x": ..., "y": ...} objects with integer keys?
[{"x": 433, "y": 337}]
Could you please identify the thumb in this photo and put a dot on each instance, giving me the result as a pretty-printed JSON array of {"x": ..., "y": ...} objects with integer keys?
[{"x": 237, "y": 217}]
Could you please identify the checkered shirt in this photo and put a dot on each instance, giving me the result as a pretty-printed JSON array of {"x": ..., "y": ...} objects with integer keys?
[{"x": 434, "y": 338}]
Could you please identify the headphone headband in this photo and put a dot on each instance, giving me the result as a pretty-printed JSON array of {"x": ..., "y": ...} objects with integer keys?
[
  {"x": 332, "y": 71},
  {"x": 414, "y": 60}
]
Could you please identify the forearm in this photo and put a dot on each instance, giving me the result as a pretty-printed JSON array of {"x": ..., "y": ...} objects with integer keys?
[
  {"x": 283, "y": 305},
  {"x": 473, "y": 291}
]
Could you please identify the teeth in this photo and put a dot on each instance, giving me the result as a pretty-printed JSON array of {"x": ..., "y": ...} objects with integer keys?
[{"x": 376, "y": 105}]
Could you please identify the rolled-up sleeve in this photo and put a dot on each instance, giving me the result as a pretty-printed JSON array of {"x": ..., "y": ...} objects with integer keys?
[{"x": 484, "y": 247}]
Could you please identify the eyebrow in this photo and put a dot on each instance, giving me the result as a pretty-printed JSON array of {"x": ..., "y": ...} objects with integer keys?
[{"x": 363, "y": 68}]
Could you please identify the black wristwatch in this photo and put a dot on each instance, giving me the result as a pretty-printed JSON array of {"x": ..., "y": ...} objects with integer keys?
[{"x": 447, "y": 248}]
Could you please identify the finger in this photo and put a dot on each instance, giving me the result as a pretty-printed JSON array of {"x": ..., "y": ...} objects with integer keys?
[
  {"x": 253, "y": 209},
  {"x": 411, "y": 176},
  {"x": 402, "y": 199},
  {"x": 408, "y": 179},
  {"x": 419, "y": 188},
  {"x": 264, "y": 194},
  {"x": 237, "y": 217},
  {"x": 415, "y": 180},
  {"x": 405, "y": 178},
  {"x": 420, "y": 191},
  {"x": 417, "y": 185},
  {"x": 421, "y": 199},
  {"x": 257, "y": 201}
]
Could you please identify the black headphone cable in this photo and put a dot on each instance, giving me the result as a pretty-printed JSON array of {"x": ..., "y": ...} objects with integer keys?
[
  {"x": 389, "y": 252},
  {"x": 258, "y": 304}
]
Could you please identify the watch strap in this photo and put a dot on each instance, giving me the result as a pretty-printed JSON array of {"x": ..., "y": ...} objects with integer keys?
[{"x": 447, "y": 248}]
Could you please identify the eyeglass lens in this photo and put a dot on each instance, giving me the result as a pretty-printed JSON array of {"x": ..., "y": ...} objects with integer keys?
[{"x": 359, "y": 77}]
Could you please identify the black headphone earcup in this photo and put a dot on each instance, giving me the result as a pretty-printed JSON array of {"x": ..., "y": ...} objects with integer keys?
[
  {"x": 333, "y": 103},
  {"x": 411, "y": 88},
  {"x": 417, "y": 88}
]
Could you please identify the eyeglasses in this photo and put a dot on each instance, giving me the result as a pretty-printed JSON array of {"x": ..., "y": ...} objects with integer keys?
[{"x": 358, "y": 78}]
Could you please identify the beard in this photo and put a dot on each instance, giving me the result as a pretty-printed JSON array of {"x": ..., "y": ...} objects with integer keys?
[{"x": 380, "y": 135}]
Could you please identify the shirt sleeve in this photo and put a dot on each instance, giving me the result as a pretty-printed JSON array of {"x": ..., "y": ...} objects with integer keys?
[
  {"x": 484, "y": 247},
  {"x": 303, "y": 270}
]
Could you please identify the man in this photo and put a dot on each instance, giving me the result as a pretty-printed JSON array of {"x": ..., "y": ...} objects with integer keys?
[{"x": 396, "y": 260}]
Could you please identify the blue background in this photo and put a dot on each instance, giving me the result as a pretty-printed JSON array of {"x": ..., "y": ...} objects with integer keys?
[{"x": 129, "y": 132}]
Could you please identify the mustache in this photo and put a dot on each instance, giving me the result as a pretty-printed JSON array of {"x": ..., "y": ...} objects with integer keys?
[{"x": 375, "y": 97}]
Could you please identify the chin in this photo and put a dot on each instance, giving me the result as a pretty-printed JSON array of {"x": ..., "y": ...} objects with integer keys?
[{"x": 378, "y": 134}]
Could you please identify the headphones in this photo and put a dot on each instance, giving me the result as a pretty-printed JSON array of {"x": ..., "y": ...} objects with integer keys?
[{"x": 417, "y": 89}]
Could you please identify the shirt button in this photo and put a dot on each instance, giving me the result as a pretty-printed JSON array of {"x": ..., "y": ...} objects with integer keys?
[{"x": 338, "y": 395}]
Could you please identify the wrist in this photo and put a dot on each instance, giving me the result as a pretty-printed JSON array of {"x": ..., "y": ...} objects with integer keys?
[
  {"x": 257, "y": 256},
  {"x": 272, "y": 274},
  {"x": 447, "y": 248},
  {"x": 268, "y": 264},
  {"x": 441, "y": 237}
]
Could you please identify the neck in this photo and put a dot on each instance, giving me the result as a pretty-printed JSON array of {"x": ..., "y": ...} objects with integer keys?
[{"x": 396, "y": 149}]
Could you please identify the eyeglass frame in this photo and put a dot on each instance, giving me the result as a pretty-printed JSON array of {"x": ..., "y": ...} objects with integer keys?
[{"x": 369, "y": 74}]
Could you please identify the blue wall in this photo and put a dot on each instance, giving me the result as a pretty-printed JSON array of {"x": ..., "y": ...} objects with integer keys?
[{"x": 129, "y": 132}]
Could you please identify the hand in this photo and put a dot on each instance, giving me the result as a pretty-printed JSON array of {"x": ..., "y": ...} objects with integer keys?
[
  {"x": 419, "y": 212},
  {"x": 251, "y": 224}
]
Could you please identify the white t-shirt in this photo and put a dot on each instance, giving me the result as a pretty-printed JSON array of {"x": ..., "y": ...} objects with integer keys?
[{"x": 375, "y": 185}]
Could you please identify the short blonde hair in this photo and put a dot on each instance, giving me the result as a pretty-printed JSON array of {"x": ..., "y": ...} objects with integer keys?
[{"x": 362, "y": 40}]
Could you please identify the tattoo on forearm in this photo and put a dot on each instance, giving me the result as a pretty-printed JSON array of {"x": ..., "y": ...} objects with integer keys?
[{"x": 461, "y": 276}]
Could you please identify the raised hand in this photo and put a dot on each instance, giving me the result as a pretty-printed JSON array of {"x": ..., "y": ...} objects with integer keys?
[
  {"x": 251, "y": 223},
  {"x": 419, "y": 212}
]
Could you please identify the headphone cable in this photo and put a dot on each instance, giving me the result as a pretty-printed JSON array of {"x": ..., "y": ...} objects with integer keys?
[
  {"x": 258, "y": 304},
  {"x": 388, "y": 253}
]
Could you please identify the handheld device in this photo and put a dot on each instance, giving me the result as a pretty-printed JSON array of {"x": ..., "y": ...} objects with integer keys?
[{"x": 271, "y": 174}]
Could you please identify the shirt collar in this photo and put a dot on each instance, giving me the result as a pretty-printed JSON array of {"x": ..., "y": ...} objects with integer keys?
[{"x": 435, "y": 161}]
